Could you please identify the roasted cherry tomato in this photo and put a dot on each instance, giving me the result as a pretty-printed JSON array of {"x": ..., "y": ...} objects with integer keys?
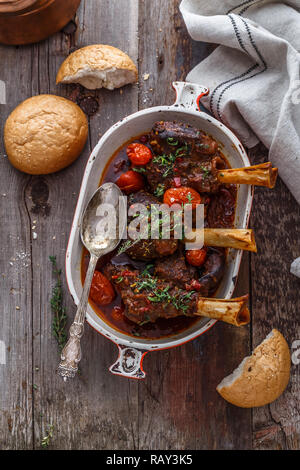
[
  {"x": 196, "y": 257},
  {"x": 139, "y": 154},
  {"x": 130, "y": 182},
  {"x": 182, "y": 195},
  {"x": 102, "y": 292}
]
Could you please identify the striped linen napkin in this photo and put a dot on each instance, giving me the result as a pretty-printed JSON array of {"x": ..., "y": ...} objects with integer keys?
[{"x": 254, "y": 74}]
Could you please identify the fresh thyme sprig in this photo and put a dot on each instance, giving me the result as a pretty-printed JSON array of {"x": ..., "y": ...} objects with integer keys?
[
  {"x": 139, "y": 170},
  {"x": 172, "y": 141},
  {"x": 126, "y": 245},
  {"x": 167, "y": 161},
  {"x": 46, "y": 439},
  {"x": 60, "y": 318}
]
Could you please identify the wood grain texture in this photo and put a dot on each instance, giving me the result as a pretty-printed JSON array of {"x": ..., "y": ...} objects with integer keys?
[
  {"x": 276, "y": 303},
  {"x": 15, "y": 274},
  {"x": 176, "y": 406}
]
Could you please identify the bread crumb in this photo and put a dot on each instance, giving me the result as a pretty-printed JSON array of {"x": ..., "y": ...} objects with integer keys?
[
  {"x": 146, "y": 76},
  {"x": 17, "y": 307},
  {"x": 34, "y": 235}
]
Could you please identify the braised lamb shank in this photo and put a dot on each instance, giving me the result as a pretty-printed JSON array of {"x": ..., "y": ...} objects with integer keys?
[
  {"x": 170, "y": 291},
  {"x": 186, "y": 154}
]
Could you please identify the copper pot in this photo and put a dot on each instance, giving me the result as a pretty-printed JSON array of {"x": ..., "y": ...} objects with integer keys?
[{"x": 28, "y": 21}]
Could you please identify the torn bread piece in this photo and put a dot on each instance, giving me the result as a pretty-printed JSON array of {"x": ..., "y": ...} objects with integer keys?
[
  {"x": 260, "y": 378},
  {"x": 98, "y": 66}
]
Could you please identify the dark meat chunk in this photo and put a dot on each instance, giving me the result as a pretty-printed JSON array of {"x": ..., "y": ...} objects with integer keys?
[
  {"x": 185, "y": 157},
  {"x": 187, "y": 171},
  {"x": 167, "y": 136},
  {"x": 147, "y": 298},
  {"x": 142, "y": 197},
  {"x": 203, "y": 176},
  {"x": 176, "y": 270},
  {"x": 147, "y": 249},
  {"x": 166, "y": 293},
  {"x": 212, "y": 272},
  {"x": 152, "y": 249}
]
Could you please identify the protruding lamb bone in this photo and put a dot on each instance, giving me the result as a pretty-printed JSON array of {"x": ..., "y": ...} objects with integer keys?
[
  {"x": 241, "y": 239},
  {"x": 233, "y": 311},
  {"x": 258, "y": 175}
]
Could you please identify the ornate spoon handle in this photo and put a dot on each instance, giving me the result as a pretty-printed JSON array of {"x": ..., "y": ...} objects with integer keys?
[{"x": 71, "y": 353}]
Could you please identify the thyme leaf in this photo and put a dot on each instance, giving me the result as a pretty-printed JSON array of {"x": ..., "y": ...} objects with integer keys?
[
  {"x": 47, "y": 438},
  {"x": 60, "y": 318},
  {"x": 139, "y": 170},
  {"x": 159, "y": 191},
  {"x": 189, "y": 198},
  {"x": 206, "y": 171},
  {"x": 166, "y": 161},
  {"x": 172, "y": 141}
]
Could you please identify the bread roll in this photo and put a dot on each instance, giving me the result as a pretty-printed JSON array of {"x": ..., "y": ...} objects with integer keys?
[{"x": 44, "y": 134}]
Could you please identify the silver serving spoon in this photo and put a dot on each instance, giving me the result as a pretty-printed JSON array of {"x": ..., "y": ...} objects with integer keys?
[{"x": 102, "y": 227}]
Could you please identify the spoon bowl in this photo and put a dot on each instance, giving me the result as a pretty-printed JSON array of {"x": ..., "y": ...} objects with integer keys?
[{"x": 104, "y": 220}]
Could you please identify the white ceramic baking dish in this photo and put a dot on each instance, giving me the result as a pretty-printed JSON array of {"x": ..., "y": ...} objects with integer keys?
[{"x": 185, "y": 109}]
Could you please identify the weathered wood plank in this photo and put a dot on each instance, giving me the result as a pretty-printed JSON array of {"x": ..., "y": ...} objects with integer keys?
[
  {"x": 97, "y": 410},
  {"x": 276, "y": 303},
  {"x": 15, "y": 271},
  {"x": 179, "y": 407}
]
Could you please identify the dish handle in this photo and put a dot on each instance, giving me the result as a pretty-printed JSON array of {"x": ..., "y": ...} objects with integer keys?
[
  {"x": 129, "y": 363},
  {"x": 188, "y": 95}
]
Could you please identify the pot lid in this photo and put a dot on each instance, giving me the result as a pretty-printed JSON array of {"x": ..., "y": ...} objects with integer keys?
[{"x": 15, "y": 6}]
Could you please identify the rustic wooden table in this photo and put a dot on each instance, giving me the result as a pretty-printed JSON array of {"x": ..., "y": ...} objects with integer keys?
[{"x": 176, "y": 406}]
